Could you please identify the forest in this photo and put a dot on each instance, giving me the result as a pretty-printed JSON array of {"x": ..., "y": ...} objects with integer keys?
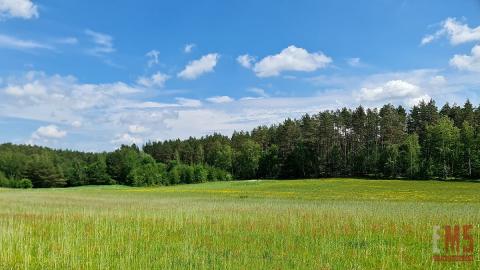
[{"x": 426, "y": 142}]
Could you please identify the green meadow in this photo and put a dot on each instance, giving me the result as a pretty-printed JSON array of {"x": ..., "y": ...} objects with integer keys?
[{"x": 297, "y": 224}]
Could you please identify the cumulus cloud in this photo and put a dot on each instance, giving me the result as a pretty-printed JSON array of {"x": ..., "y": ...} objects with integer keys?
[
  {"x": 103, "y": 42},
  {"x": 31, "y": 90},
  {"x": 455, "y": 31},
  {"x": 406, "y": 88},
  {"x": 156, "y": 80},
  {"x": 196, "y": 68},
  {"x": 94, "y": 110},
  {"x": 416, "y": 100},
  {"x": 59, "y": 97},
  {"x": 389, "y": 90},
  {"x": 467, "y": 62},
  {"x": 113, "y": 113},
  {"x": 246, "y": 60},
  {"x": 126, "y": 139},
  {"x": 24, "y": 9},
  {"x": 258, "y": 91},
  {"x": 220, "y": 99},
  {"x": 50, "y": 131},
  {"x": 441, "y": 85},
  {"x": 152, "y": 57},
  {"x": 19, "y": 44},
  {"x": 189, "y": 47},
  {"x": 291, "y": 59}
]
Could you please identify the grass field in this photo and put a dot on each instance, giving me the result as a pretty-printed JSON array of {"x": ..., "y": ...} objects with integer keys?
[{"x": 301, "y": 224}]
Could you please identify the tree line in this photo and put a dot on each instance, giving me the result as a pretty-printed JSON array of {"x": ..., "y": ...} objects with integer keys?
[
  {"x": 389, "y": 142},
  {"x": 426, "y": 142},
  {"x": 25, "y": 166}
]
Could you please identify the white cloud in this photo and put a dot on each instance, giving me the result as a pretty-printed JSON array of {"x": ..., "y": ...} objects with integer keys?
[
  {"x": 416, "y": 100},
  {"x": 39, "y": 95},
  {"x": 156, "y": 80},
  {"x": 153, "y": 57},
  {"x": 126, "y": 139},
  {"x": 19, "y": 44},
  {"x": 196, "y": 68},
  {"x": 68, "y": 40},
  {"x": 96, "y": 111},
  {"x": 220, "y": 99},
  {"x": 438, "y": 80},
  {"x": 24, "y": 9},
  {"x": 390, "y": 90},
  {"x": 31, "y": 90},
  {"x": 259, "y": 91},
  {"x": 76, "y": 124},
  {"x": 50, "y": 131},
  {"x": 103, "y": 42},
  {"x": 455, "y": 31},
  {"x": 354, "y": 62},
  {"x": 246, "y": 60},
  {"x": 188, "y": 102},
  {"x": 132, "y": 115},
  {"x": 291, "y": 59},
  {"x": 189, "y": 47},
  {"x": 467, "y": 62},
  {"x": 136, "y": 129},
  {"x": 427, "y": 39},
  {"x": 441, "y": 85},
  {"x": 245, "y": 114},
  {"x": 153, "y": 105}
]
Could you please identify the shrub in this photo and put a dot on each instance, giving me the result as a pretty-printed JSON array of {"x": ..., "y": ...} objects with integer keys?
[
  {"x": 211, "y": 174},
  {"x": 200, "y": 174},
  {"x": 11, "y": 183},
  {"x": 24, "y": 183},
  {"x": 174, "y": 175},
  {"x": 4, "y": 181},
  {"x": 220, "y": 175},
  {"x": 182, "y": 173},
  {"x": 148, "y": 174},
  {"x": 188, "y": 174}
]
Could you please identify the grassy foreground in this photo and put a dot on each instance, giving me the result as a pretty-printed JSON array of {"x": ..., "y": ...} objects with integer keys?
[{"x": 301, "y": 224}]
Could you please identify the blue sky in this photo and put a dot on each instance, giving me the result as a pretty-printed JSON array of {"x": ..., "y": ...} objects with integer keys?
[{"x": 91, "y": 76}]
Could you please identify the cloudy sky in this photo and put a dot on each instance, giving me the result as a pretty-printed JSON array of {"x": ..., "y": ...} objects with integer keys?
[{"x": 91, "y": 76}]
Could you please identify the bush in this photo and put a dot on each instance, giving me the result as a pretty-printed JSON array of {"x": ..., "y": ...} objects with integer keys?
[
  {"x": 211, "y": 177},
  {"x": 24, "y": 183},
  {"x": 220, "y": 175},
  {"x": 148, "y": 174},
  {"x": 188, "y": 174},
  {"x": 174, "y": 175},
  {"x": 200, "y": 174},
  {"x": 4, "y": 181},
  {"x": 11, "y": 183},
  {"x": 181, "y": 173}
]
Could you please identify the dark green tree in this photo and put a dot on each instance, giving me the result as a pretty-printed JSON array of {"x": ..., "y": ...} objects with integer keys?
[
  {"x": 247, "y": 158},
  {"x": 410, "y": 156},
  {"x": 443, "y": 139},
  {"x": 44, "y": 173}
]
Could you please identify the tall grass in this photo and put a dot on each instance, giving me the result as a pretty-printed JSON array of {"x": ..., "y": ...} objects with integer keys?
[{"x": 324, "y": 224}]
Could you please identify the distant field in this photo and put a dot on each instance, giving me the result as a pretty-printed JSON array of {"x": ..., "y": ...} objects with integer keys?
[{"x": 298, "y": 224}]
